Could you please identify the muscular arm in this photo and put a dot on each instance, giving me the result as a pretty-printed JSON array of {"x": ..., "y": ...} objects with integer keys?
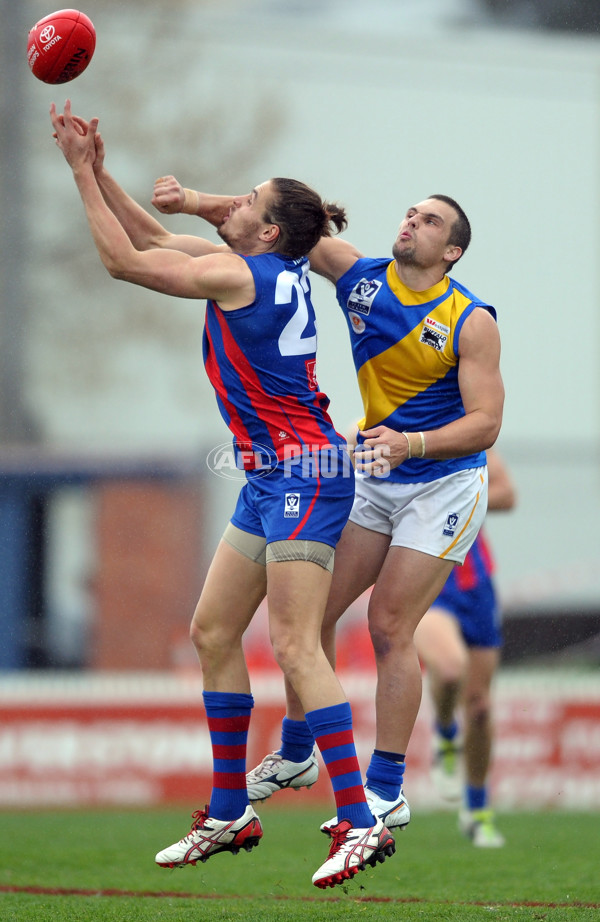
[
  {"x": 482, "y": 393},
  {"x": 331, "y": 257},
  {"x": 481, "y": 389},
  {"x": 171, "y": 198},
  {"x": 224, "y": 277},
  {"x": 144, "y": 231}
]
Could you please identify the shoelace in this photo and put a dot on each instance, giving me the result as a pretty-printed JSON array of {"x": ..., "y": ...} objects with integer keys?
[
  {"x": 266, "y": 766},
  {"x": 199, "y": 817},
  {"x": 338, "y": 836}
]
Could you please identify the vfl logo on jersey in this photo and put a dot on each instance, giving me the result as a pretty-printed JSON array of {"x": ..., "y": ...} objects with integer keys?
[
  {"x": 362, "y": 295},
  {"x": 358, "y": 324},
  {"x": 291, "y": 509},
  {"x": 434, "y": 334},
  {"x": 451, "y": 525}
]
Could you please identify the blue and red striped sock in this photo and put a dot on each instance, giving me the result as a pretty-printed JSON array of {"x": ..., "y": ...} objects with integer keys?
[
  {"x": 228, "y": 718},
  {"x": 332, "y": 730}
]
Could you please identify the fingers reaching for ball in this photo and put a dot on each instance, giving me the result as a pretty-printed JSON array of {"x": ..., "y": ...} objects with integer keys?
[{"x": 75, "y": 136}]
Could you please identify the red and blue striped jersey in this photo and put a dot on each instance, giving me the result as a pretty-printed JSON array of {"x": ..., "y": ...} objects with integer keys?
[
  {"x": 470, "y": 596},
  {"x": 261, "y": 361},
  {"x": 477, "y": 568}
]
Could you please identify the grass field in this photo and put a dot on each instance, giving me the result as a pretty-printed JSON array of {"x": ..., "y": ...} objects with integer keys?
[{"x": 98, "y": 865}]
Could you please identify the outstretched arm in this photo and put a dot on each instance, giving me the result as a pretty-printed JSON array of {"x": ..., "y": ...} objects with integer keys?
[
  {"x": 221, "y": 276},
  {"x": 331, "y": 257},
  {"x": 144, "y": 231},
  {"x": 170, "y": 197}
]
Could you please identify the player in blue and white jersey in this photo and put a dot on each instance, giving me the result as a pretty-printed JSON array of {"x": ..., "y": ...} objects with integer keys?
[
  {"x": 427, "y": 354},
  {"x": 259, "y": 352}
]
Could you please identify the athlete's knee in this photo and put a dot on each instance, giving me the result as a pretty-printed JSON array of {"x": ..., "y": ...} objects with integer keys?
[
  {"x": 211, "y": 637},
  {"x": 448, "y": 685},
  {"x": 293, "y": 658},
  {"x": 389, "y": 631},
  {"x": 478, "y": 707},
  {"x": 451, "y": 669},
  {"x": 202, "y": 637}
]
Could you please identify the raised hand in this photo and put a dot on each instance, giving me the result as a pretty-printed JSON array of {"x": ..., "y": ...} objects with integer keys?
[{"x": 74, "y": 136}]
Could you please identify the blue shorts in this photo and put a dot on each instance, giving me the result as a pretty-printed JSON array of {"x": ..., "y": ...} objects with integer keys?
[
  {"x": 476, "y": 611},
  {"x": 292, "y": 503}
]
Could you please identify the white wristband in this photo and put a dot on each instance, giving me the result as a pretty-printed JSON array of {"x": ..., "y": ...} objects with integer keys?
[
  {"x": 410, "y": 454},
  {"x": 191, "y": 201}
]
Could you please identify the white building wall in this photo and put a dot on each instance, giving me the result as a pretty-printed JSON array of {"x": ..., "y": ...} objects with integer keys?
[{"x": 224, "y": 96}]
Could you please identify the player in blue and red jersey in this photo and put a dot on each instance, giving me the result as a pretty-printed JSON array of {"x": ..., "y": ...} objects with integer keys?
[
  {"x": 458, "y": 641},
  {"x": 259, "y": 352}
]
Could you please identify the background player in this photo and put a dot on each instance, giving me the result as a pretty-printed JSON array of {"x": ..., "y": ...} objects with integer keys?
[{"x": 458, "y": 641}]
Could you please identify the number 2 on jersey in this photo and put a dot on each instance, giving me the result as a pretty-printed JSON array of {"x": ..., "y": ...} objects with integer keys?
[{"x": 290, "y": 341}]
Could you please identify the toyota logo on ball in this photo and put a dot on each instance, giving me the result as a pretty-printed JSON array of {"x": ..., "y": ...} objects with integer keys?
[{"x": 47, "y": 33}]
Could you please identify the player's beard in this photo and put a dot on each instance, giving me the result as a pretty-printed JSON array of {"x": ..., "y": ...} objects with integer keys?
[
  {"x": 222, "y": 232},
  {"x": 405, "y": 256},
  {"x": 240, "y": 242}
]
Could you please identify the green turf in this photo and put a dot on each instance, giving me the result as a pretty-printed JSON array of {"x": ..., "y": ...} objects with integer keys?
[{"x": 551, "y": 859}]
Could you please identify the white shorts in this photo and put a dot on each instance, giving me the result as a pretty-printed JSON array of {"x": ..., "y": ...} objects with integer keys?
[{"x": 440, "y": 518}]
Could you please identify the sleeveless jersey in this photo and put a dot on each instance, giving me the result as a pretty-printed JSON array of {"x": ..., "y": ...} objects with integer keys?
[
  {"x": 261, "y": 361},
  {"x": 405, "y": 349}
]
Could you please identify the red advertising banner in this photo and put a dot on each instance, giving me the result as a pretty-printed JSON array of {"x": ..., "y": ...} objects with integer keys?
[{"x": 143, "y": 740}]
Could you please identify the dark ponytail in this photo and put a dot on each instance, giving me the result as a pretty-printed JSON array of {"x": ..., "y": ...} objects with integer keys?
[{"x": 302, "y": 217}]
